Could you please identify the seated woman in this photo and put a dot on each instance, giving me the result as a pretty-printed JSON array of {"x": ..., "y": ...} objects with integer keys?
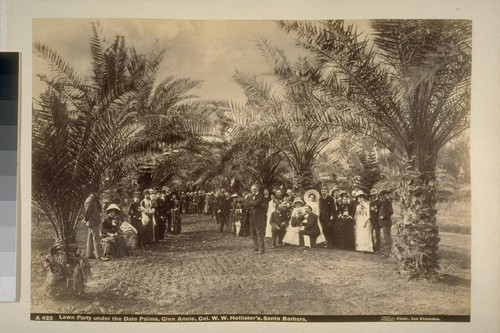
[
  {"x": 112, "y": 238},
  {"x": 297, "y": 217}
]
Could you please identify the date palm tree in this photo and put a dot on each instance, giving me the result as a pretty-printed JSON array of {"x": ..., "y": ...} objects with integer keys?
[
  {"x": 277, "y": 103},
  {"x": 84, "y": 127},
  {"x": 407, "y": 86}
]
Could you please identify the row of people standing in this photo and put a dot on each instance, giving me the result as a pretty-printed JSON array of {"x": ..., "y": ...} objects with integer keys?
[
  {"x": 355, "y": 223},
  {"x": 155, "y": 215},
  {"x": 344, "y": 223}
]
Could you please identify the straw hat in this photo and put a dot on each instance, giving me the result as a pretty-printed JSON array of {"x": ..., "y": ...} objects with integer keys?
[
  {"x": 113, "y": 207},
  {"x": 360, "y": 193},
  {"x": 298, "y": 200},
  {"x": 373, "y": 192}
]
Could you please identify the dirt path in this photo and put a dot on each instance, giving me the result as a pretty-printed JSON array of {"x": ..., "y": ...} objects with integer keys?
[{"x": 202, "y": 271}]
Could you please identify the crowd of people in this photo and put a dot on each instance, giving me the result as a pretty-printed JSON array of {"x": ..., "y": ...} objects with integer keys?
[{"x": 333, "y": 219}]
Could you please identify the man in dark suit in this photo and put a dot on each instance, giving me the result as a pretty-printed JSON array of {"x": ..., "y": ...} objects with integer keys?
[
  {"x": 257, "y": 209},
  {"x": 326, "y": 216},
  {"x": 224, "y": 210},
  {"x": 385, "y": 222},
  {"x": 311, "y": 229},
  {"x": 374, "y": 208}
]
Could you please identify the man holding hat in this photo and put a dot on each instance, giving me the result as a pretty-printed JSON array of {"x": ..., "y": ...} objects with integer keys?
[
  {"x": 385, "y": 222},
  {"x": 374, "y": 209}
]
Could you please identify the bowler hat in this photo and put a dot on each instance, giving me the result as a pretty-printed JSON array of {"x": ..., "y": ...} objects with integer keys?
[{"x": 383, "y": 192}]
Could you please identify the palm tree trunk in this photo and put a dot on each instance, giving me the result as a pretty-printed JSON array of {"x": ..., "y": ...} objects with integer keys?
[
  {"x": 302, "y": 181},
  {"x": 418, "y": 234}
]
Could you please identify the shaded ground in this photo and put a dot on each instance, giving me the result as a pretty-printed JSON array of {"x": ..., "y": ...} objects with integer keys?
[{"x": 204, "y": 272}]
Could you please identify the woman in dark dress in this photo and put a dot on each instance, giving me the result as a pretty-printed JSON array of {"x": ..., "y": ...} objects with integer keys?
[
  {"x": 345, "y": 224},
  {"x": 135, "y": 214}
]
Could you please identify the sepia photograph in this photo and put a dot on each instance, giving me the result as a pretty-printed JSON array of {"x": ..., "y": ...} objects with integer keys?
[{"x": 251, "y": 170}]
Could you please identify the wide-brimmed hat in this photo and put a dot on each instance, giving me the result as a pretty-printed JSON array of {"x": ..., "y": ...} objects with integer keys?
[
  {"x": 298, "y": 200},
  {"x": 373, "y": 191},
  {"x": 360, "y": 193},
  {"x": 113, "y": 207},
  {"x": 234, "y": 195},
  {"x": 308, "y": 193}
]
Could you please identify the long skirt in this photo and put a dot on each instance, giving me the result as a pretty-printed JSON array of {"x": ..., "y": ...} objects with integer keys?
[
  {"x": 114, "y": 246},
  {"x": 176, "y": 221},
  {"x": 344, "y": 233},
  {"x": 364, "y": 237},
  {"x": 149, "y": 229},
  {"x": 292, "y": 235}
]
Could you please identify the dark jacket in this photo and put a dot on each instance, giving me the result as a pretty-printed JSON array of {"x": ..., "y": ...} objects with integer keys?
[
  {"x": 225, "y": 206},
  {"x": 312, "y": 227},
  {"x": 134, "y": 212},
  {"x": 92, "y": 211},
  {"x": 257, "y": 207},
  {"x": 279, "y": 220},
  {"x": 374, "y": 210},
  {"x": 326, "y": 209},
  {"x": 344, "y": 211},
  {"x": 107, "y": 226},
  {"x": 385, "y": 213}
]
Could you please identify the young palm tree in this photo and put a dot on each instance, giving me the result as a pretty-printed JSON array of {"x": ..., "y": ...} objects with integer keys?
[
  {"x": 407, "y": 87},
  {"x": 277, "y": 103},
  {"x": 85, "y": 126}
]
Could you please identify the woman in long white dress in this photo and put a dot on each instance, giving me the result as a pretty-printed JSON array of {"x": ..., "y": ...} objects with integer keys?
[{"x": 363, "y": 227}]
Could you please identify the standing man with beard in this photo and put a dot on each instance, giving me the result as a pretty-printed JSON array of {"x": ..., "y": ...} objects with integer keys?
[
  {"x": 326, "y": 216},
  {"x": 256, "y": 206}
]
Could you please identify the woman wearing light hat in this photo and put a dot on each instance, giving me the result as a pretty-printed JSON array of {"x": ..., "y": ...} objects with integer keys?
[
  {"x": 112, "y": 240},
  {"x": 297, "y": 217},
  {"x": 363, "y": 227}
]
